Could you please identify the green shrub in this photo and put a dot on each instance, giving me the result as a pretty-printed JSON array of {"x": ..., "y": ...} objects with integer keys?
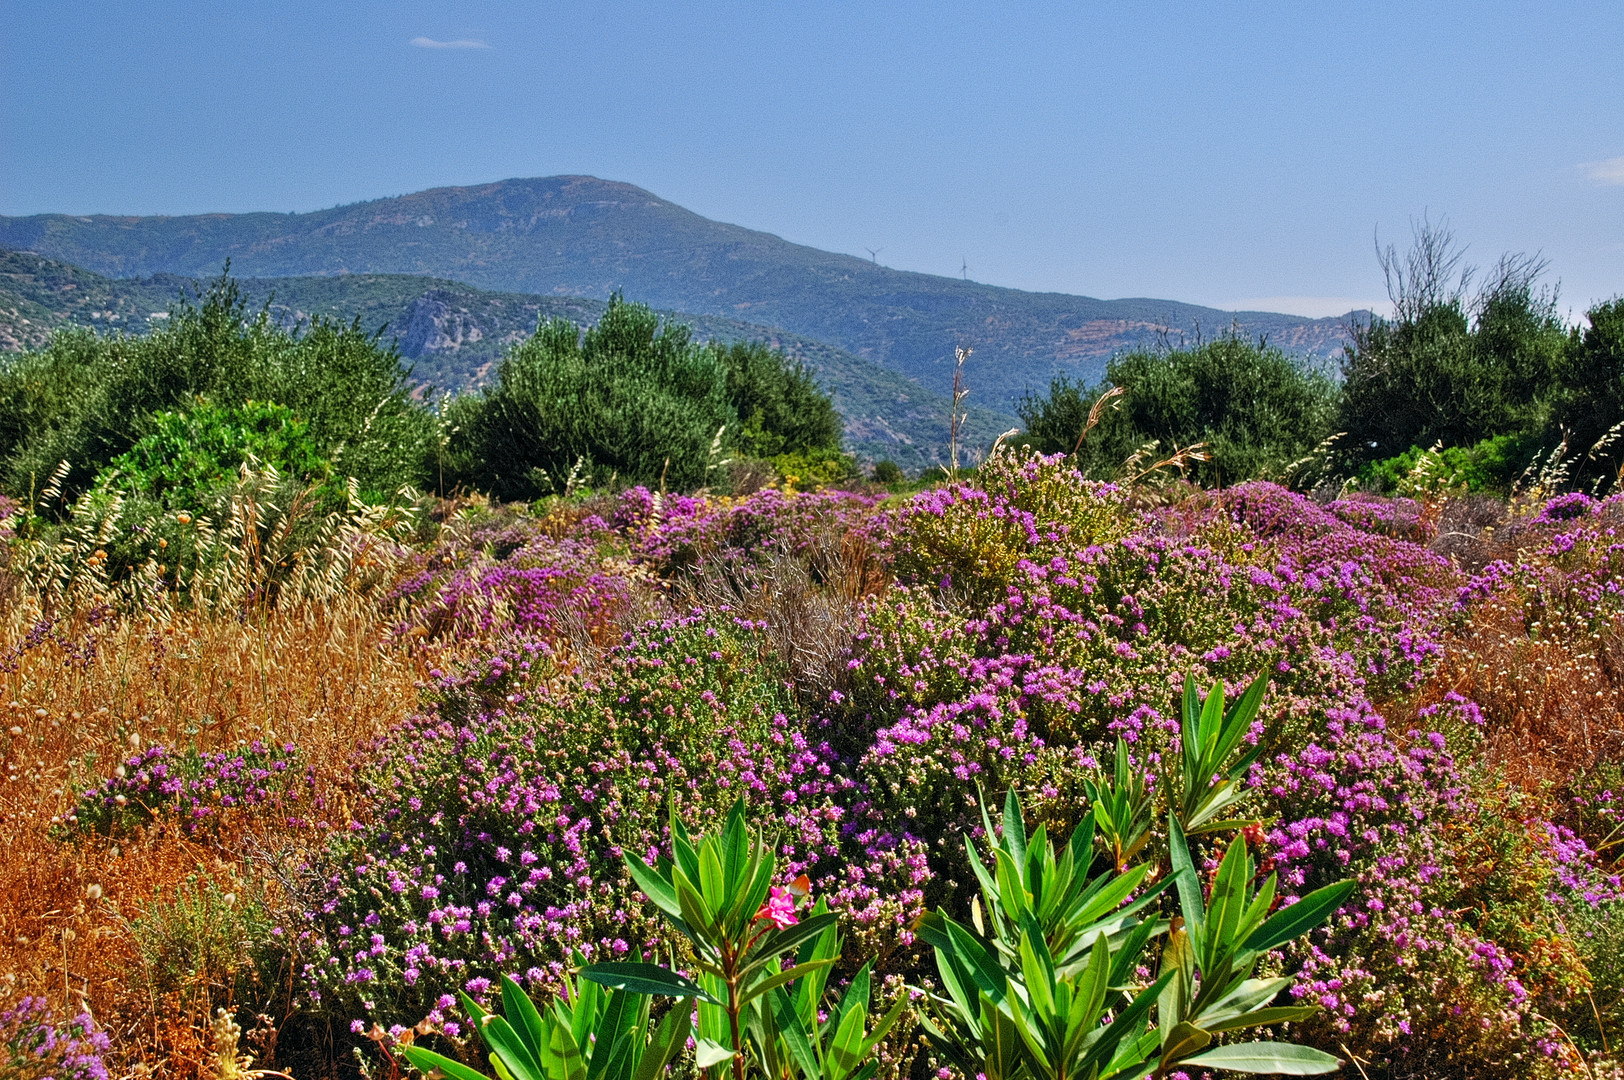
[
  {"x": 778, "y": 403},
  {"x": 1256, "y": 408},
  {"x": 185, "y": 457},
  {"x": 206, "y": 937},
  {"x": 815, "y": 468},
  {"x": 887, "y": 472},
  {"x": 87, "y": 399},
  {"x": 1593, "y": 384},
  {"x": 628, "y": 400},
  {"x": 632, "y": 401},
  {"x": 1452, "y": 366},
  {"x": 1493, "y": 465}
]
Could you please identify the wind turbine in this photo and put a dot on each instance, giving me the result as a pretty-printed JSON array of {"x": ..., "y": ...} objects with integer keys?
[
  {"x": 874, "y": 254},
  {"x": 965, "y": 269}
]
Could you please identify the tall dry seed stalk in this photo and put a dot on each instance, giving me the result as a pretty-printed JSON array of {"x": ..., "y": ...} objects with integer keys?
[
  {"x": 273, "y": 634},
  {"x": 957, "y": 414},
  {"x": 256, "y": 552},
  {"x": 1110, "y": 400}
]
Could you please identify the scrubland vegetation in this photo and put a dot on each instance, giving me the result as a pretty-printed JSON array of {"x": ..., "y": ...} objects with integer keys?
[{"x": 321, "y": 760}]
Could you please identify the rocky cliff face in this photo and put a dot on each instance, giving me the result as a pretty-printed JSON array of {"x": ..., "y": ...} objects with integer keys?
[{"x": 437, "y": 323}]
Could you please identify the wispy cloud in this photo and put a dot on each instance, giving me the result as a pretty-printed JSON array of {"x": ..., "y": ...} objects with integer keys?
[
  {"x": 1609, "y": 172},
  {"x": 460, "y": 43}
]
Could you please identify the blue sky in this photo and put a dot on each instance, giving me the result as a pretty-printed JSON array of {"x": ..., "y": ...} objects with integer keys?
[{"x": 1230, "y": 154}]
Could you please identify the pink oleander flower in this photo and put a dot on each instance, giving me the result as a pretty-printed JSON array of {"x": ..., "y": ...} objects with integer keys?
[{"x": 779, "y": 909}]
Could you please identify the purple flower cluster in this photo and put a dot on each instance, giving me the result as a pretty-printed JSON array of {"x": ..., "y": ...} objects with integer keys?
[
  {"x": 1034, "y": 617},
  {"x": 680, "y": 532},
  {"x": 1366, "y": 803},
  {"x": 539, "y": 588},
  {"x": 1399, "y": 518},
  {"x": 34, "y": 1047},
  {"x": 499, "y": 816},
  {"x": 1569, "y": 507},
  {"x": 196, "y": 787}
]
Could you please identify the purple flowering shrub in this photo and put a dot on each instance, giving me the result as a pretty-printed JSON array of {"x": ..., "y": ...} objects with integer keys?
[
  {"x": 499, "y": 815},
  {"x": 677, "y": 533},
  {"x": 487, "y": 579},
  {"x": 543, "y": 589},
  {"x": 1418, "y": 971},
  {"x": 1569, "y": 507},
  {"x": 1399, "y": 518},
  {"x": 1070, "y": 636},
  {"x": 1086, "y": 617},
  {"x": 33, "y": 1046},
  {"x": 196, "y": 787},
  {"x": 1032, "y": 618}
]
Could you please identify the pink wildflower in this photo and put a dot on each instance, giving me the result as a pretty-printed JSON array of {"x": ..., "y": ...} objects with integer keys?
[{"x": 779, "y": 909}]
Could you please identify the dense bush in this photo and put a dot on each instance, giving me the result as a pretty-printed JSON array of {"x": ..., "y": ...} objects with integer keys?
[
  {"x": 87, "y": 399},
  {"x": 194, "y": 789},
  {"x": 1593, "y": 387},
  {"x": 501, "y": 814},
  {"x": 779, "y": 405},
  {"x": 632, "y": 401},
  {"x": 186, "y": 458},
  {"x": 1256, "y": 408},
  {"x": 1497, "y": 464},
  {"x": 629, "y": 399},
  {"x": 1452, "y": 365}
]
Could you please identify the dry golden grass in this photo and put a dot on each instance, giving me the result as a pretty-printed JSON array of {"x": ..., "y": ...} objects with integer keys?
[
  {"x": 89, "y": 674},
  {"x": 1549, "y": 676},
  {"x": 318, "y": 676}
]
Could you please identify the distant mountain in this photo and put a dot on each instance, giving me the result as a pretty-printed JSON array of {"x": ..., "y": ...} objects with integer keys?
[
  {"x": 579, "y": 236},
  {"x": 453, "y": 334}
]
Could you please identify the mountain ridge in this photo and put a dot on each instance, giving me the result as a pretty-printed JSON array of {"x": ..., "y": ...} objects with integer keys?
[{"x": 586, "y": 237}]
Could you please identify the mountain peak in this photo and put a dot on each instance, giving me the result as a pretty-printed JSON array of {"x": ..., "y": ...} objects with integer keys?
[{"x": 588, "y": 237}]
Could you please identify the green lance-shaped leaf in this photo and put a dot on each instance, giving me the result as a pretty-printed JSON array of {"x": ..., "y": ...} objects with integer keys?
[
  {"x": 1225, "y": 909},
  {"x": 655, "y": 885},
  {"x": 1283, "y": 1059},
  {"x": 1279, "y": 1014},
  {"x": 736, "y": 850},
  {"x": 981, "y": 965},
  {"x": 645, "y": 979},
  {"x": 522, "y": 1014},
  {"x": 427, "y": 1061},
  {"x": 623, "y": 1023},
  {"x": 1014, "y": 838},
  {"x": 1211, "y": 736},
  {"x": 1301, "y": 917},
  {"x": 712, "y": 882},
  {"x": 1191, "y": 903},
  {"x": 708, "y": 1052},
  {"x": 506, "y": 1046},
  {"x": 1182, "y": 1040},
  {"x": 791, "y": 1027}
]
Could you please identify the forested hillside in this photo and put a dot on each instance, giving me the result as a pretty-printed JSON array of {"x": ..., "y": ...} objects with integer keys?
[
  {"x": 452, "y": 335},
  {"x": 585, "y": 237}
]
